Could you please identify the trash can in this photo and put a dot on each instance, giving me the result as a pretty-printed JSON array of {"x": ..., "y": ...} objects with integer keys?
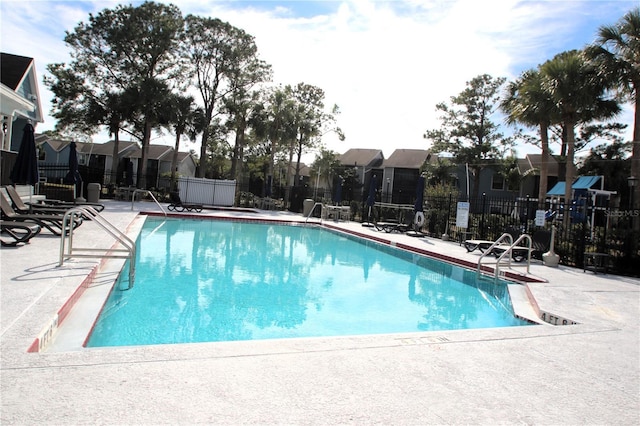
[
  {"x": 307, "y": 206},
  {"x": 93, "y": 192}
]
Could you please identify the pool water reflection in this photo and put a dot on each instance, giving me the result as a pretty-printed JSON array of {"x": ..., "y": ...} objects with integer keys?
[{"x": 211, "y": 280}]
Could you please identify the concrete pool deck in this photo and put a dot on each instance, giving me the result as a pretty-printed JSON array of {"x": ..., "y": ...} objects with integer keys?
[{"x": 588, "y": 373}]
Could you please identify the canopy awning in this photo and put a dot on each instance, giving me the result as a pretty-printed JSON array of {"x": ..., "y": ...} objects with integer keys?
[
  {"x": 582, "y": 183},
  {"x": 557, "y": 190},
  {"x": 586, "y": 182}
]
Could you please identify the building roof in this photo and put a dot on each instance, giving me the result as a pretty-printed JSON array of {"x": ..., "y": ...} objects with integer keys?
[
  {"x": 13, "y": 69},
  {"x": 156, "y": 152},
  {"x": 182, "y": 156},
  {"x": 107, "y": 147},
  {"x": 407, "y": 158},
  {"x": 534, "y": 161},
  {"x": 19, "y": 87},
  {"x": 362, "y": 156}
]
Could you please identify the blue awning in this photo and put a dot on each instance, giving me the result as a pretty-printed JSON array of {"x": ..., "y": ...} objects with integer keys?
[
  {"x": 557, "y": 190},
  {"x": 586, "y": 182},
  {"x": 582, "y": 183}
]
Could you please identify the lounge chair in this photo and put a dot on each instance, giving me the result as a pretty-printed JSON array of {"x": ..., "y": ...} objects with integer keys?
[
  {"x": 472, "y": 245},
  {"x": 482, "y": 245},
  {"x": 540, "y": 243},
  {"x": 23, "y": 208},
  {"x": 46, "y": 203},
  {"x": 18, "y": 232},
  {"x": 54, "y": 223},
  {"x": 42, "y": 208},
  {"x": 177, "y": 204},
  {"x": 38, "y": 208}
]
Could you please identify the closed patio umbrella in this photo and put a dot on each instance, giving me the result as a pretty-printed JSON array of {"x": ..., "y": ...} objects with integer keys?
[
  {"x": 73, "y": 176},
  {"x": 25, "y": 170},
  {"x": 371, "y": 199},
  {"x": 129, "y": 175},
  {"x": 337, "y": 197}
]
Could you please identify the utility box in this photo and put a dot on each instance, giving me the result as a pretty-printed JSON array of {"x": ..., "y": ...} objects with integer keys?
[
  {"x": 93, "y": 192},
  {"x": 307, "y": 206}
]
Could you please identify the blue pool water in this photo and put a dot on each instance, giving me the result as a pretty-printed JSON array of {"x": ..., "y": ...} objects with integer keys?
[{"x": 208, "y": 280}]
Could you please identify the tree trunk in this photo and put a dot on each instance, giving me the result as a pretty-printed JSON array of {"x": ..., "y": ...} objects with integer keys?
[
  {"x": 288, "y": 174},
  {"x": 234, "y": 158},
  {"x": 544, "y": 165},
  {"x": 570, "y": 174},
  {"x": 142, "y": 165},
  {"x": 299, "y": 156},
  {"x": 115, "y": 159},
  {"x": 174, "y": 162},
  {"x": 635, "y": 161},
  {"x": 205, "y": 141},
  {"x": 203, "y": 152}
]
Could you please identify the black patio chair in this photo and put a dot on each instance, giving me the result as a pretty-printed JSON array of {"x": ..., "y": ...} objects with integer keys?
[
  {"x": 18, "y": 232},
  {"x": 177, "y": 204},
  {"x": 52, "y": 222}
]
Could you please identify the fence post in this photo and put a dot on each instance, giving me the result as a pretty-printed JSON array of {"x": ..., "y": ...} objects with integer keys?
[
  {"x": 484, "y": 203},
  {"x": 448, "y": 219},
  {"x": 526, "y": 216}
]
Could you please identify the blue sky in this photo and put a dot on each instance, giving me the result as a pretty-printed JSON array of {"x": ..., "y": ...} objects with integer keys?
[{"x": 386, "y": 64}]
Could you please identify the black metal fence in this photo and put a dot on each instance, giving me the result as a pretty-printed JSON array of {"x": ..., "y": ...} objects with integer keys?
[{"x": 591, "y": 227}]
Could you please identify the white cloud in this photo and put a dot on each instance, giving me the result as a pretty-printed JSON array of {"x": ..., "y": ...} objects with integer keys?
[{"x": 386, "y": 64}]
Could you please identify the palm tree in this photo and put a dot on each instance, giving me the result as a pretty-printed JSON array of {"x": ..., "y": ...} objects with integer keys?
[
  {"x": 528, "y": 103},
  {"x": 578, "y": 93},
  {"x": 616, "y": 54},
  {"x": 185, "y": 118}
]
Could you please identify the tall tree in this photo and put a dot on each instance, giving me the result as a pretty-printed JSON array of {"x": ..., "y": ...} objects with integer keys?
[
  {"x": 309, "y": 123},
  {"x": 271, "y": 121},
  {"x": 527, "y": 102},
  {"x": 580, "y": 97},
  {"x": 612, "y": 161},
  {"x": 185, "y": 120},
  {"x": 127, "y": 51},
  {"x": 245, "y": 72},
  {"x": 616, "y": 54},
  {"x": 218, "y": 52},
  {"x": 324, "y": 167},
  {"x": 468, "y": 131}
]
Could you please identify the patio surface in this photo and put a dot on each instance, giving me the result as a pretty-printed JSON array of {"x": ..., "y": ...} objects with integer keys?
[{"x": 588, "y": 373}]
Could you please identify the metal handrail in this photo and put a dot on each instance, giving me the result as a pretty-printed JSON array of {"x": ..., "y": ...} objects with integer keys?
[
  {"x": 67, "y": 232},
  {"x": 509, "y": 252},
  {"x": 506, "y": 256},
  {"x": 312, "y": 210},
  {"x": 504, "y": 237},
  {"x": 142, "y": 191}
]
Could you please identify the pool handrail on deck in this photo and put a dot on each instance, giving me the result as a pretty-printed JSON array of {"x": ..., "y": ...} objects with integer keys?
[
  {"x": 88, "y": 211},
  {"x": 143, "y": 191}
]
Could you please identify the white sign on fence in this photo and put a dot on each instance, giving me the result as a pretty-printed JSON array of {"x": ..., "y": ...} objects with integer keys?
[
  {"x": 462, "y": 215},
  {"x": 540, "y": 217}
]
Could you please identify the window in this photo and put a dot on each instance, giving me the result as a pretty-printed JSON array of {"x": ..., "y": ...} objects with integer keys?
[
  {"x": 42, "y": 154},
  {"x": 497, "y": 182}
]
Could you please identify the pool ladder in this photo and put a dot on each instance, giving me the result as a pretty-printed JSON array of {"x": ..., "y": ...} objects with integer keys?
[
  {"x": 506, "y": 242},
  {"x": 128, "y": 246},
  {"x": 312, "y": 210},
  {"x": 145, "y": 191}
]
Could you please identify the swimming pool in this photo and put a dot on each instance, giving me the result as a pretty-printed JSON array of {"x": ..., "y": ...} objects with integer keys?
[{"x": 214, "y": 280}]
